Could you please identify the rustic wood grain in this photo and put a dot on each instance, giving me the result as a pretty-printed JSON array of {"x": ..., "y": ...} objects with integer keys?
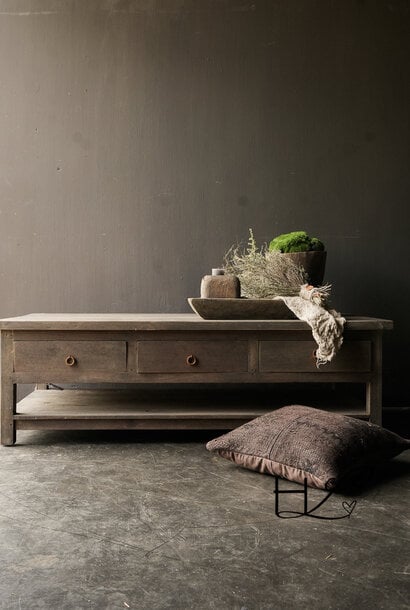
[
  {"x": 374, "y": 387},
  {"x": 240, "y": 309},
  {"x": 107, "y": 322},
  {"x": 171, "y": 349},
  {"x": 299, "y": 356},
  {"x": 125, "y": 410},
  {"x": 7, "y": 390},
  {"x": 37, "y": 356},
  {"x": 192, "y": 356}
]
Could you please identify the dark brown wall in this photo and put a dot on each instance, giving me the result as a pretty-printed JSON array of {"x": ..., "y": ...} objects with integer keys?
[{"x": 139, "y": 139}]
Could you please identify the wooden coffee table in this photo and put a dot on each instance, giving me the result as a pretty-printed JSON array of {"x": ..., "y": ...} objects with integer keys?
[{"x": 162, "y": 350}]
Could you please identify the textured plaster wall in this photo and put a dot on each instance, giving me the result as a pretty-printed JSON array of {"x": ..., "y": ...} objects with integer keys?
[{"x": 139, "y": 139}]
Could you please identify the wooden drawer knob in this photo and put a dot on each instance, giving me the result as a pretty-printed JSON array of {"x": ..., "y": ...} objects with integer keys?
[
  {"x": 70, "y": 361},
  {"x": 191, "y": 360}
]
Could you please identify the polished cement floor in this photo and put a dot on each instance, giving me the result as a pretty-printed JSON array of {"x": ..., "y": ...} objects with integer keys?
[{"x": 93, "y": 520}]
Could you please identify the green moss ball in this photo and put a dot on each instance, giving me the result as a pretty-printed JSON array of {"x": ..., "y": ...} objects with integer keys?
[{"x": 296, "y": 241}]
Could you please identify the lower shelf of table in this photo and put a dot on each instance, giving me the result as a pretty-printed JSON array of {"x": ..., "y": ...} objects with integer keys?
[{"x": 155, "y": 409}]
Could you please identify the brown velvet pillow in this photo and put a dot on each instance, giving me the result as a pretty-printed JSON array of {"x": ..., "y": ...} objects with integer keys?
[{"x": 295, "y": 442}]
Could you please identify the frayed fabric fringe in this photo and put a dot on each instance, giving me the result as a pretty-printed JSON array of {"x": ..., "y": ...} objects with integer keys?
[{"x": 327, "y": 325}]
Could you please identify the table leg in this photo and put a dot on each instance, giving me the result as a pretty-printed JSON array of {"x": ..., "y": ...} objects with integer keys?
[
  {"x": 374, "y": 387},
  {"x": 7, "y": 390}
]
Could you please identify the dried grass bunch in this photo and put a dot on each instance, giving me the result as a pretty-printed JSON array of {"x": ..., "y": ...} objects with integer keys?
[{"x": 264, "y": 274}]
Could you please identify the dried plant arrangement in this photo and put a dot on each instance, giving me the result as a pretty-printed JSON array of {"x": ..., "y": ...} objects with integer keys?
[
  {"x": 265, "y": 274},
  {"x": 269, "y": 274}
]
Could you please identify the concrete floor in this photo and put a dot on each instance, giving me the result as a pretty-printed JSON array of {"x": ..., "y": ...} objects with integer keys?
[{"x": 93, "y": 520}]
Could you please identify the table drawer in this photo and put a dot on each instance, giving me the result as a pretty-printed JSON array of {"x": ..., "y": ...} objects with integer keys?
[
  {"x": 298, "y": 356},
  {"x": 192, "y": 356},
  {"x": 64, "y": 356}
]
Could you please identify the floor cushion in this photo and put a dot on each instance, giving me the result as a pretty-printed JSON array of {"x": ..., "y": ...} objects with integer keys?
[{"x": 298, "y": 442}]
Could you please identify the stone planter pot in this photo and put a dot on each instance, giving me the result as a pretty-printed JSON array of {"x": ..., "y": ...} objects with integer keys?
[{"x": 313, "y": 262}]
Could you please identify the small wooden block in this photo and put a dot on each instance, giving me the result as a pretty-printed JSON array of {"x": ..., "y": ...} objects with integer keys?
[{"x": 220, "y": 287}]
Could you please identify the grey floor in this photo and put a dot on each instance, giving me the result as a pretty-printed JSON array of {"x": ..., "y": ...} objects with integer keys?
[{"x": 115, "y": 520}]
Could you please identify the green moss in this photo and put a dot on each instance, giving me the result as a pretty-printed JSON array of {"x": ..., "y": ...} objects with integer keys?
[
  {"x": 296, "y": 241},
  {"x": 316, "y": 244}
]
